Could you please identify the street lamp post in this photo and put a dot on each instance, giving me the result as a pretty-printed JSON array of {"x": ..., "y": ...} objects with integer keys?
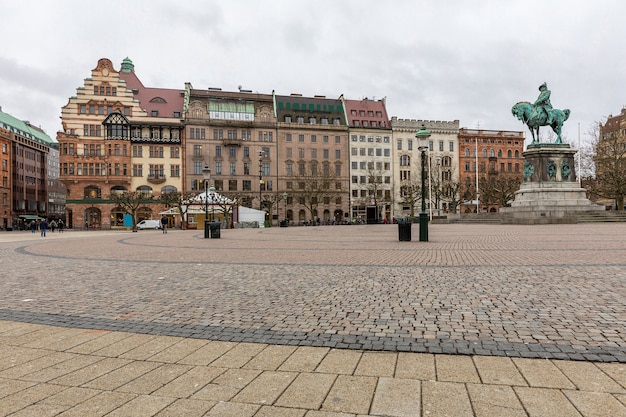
[
  {"x": 212, "y": 192},
  {"x": 422, "y": 139},
  {"x": 285, "y": 198},
  {"x": 206, "y": 174}
]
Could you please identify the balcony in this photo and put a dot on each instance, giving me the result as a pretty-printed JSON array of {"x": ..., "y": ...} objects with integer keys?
[
  {"x": 156, "y": 179},
  {"x": 231, "y": 142}
]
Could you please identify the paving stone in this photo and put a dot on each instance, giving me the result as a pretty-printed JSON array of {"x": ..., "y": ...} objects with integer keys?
[
  {"x": 377, "y": 364},
  {"x": 500, "y": 371},
  {"x": 456, "y": 369},
  {"x": 340, "y": 361},
  {"x": 494, "y": 400},
  {"x": 227, "y": 385},
  {"x": 308, "y": 391},
  {"x": 265, "y": 388},
  {"x": 596, "y": 404},
  {"x": 190, "y": 382},
  {"x": 121, "y": 376},
  {"x": 223, "y": 409},
  {"x": 617, "y": 371},
  {"x": 154, "y": 379},
  {"x": 304, "y": 359},
  {"x": 397, "y": 398},
  {"x": 543, "y": 402},
  {"x": 143, "y": 405},
  {"x": 270, "y": 358},
  {"x": 419, "y": 366},
  {"x": 350, "y": 394},
  {"x": 542, "y": 374},
  {"x": 588, "y": 377},
  {"x": 187, "y": 408},
  {"x": 445, "y": 399}
]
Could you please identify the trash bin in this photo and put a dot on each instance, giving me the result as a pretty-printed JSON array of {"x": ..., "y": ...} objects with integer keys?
[
  {"x": 404, "y": 230},
  {"x": 215, "y": 230},
  {"x": 284, "y": 223}
]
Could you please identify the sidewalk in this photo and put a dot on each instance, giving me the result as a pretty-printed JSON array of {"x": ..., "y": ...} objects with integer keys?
[{"x": 50, "y": 371}]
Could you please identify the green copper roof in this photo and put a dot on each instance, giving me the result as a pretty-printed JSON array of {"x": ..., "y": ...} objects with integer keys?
[
  {"x": 23, "y": 129},
  {"x": 127, "y": 65}
]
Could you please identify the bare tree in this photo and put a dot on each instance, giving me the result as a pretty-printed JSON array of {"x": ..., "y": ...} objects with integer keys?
[
  {"x": 610, "y": 163},
  {"x": 130, "y": 201},
  {"x": 315, "y": 188},
  {"x": 410, "y": 195}
]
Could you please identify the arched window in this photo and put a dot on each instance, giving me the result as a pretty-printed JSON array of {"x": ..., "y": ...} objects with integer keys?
[
  {"x": 405, "y": 160},
  {"x": 508, "y": 154},
  {"x": 492, "y": 153},
  {"x": 517, "y": 154},
  {"x": 467, "y": 152},
  {"x": 144, "y": 191},
  {"x": 168, "y": 189},
  {"x": 92, "y": 191},
  {"x": 446, "y": 161},
  {"x": 499, "y": 153}
]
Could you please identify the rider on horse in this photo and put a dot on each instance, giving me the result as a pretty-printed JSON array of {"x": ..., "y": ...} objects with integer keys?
[{"x": 543, "y": 103}]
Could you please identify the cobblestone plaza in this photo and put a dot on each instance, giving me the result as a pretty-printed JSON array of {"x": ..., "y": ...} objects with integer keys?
[{"x": 474, "y": 299}]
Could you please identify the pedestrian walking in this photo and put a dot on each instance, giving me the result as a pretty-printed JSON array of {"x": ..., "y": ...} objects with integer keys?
[
  {"x": 33, "y": 226},
  {"x": 164, "y": 223},
  {"x": 61, "y": 226},
  {"x": 43, "y": 225},
  {"x": 53, "y": 226}
]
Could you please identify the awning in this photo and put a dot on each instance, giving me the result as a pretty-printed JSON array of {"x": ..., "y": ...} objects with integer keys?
[{"x": 30, "y": 217}]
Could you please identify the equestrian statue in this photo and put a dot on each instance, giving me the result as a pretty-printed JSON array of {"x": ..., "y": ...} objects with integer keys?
[{"x": 541, "y": 113}]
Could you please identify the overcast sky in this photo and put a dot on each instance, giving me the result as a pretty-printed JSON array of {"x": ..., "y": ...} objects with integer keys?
[{"x": 434, "y": 60}]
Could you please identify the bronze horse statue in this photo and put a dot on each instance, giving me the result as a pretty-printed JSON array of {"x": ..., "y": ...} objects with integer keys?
[{"x": 528, "y": 113}]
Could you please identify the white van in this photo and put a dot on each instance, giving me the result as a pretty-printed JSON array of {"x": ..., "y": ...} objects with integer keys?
[{"x": 149, "y": 224}]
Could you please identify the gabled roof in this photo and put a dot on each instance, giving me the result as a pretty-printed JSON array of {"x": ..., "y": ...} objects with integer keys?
[
  {"x": 25, "y": 129},
  {"x": 367, "y": 110},
  {"x": 165, "y": 101}
]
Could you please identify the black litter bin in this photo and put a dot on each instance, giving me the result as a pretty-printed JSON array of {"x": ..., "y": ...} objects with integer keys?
[
  {"x": 404, "y": 230},
  {"x": 215, "y": 230}
]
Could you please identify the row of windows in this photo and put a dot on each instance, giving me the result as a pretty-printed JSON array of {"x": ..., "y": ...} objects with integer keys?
[
  {"x": 363, "y": 165},
  {"x": 492, "y": 153},
  {"x": 312, "y": 138},
  {"x": 314, "y": 169},
  {"x": 314, "y": 154},
  {"x": 370, "y": 138},
  {"x": 371, "y": 151},
  {"x": 492, "y": 167},
  {"x": 100, "y": 109},
  {"x": 312, "y": 120},
  {"x": 368, "y": 194},
  {"x": 103, "y": 90},
  {"x": 369, "y": 123},
  {"x": 371, "y": 179},
  {"x": 154, "y": 151},
  {"x": 101, "y": 169},
  {"x": 370, "y": 113},
  {"x": 430, "y": 145},
  {"x": 233, "y": 185}
]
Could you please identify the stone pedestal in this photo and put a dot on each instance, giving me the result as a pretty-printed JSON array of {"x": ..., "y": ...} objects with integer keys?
[{"x": 549, "y": 192}]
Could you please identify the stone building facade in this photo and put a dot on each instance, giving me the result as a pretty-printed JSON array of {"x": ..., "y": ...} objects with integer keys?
[
  {"x": 441, "y": 166},
  {"x": 371, "y": 161},
  {"x": 24, "y": 159},
  {"x": 119, "y": 136},
  {"x": 488, "y": 159}
]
